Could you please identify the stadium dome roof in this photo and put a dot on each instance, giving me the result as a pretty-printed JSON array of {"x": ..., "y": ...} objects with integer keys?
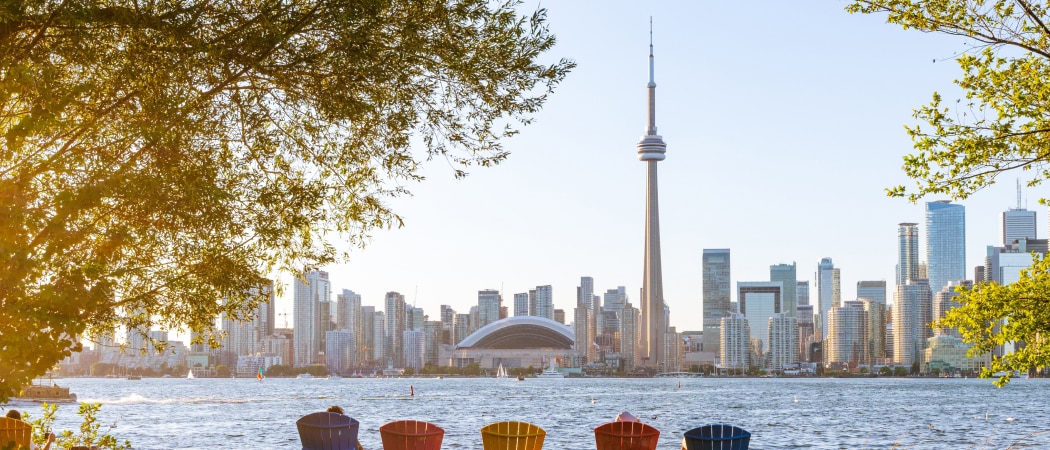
[{"x": 520, "y": 332}]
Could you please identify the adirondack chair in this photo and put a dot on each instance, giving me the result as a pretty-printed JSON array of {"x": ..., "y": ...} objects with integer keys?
[
  {"x": 717, "y": 436},
  {"x": 411, "y": 435},
  {"x": 626, "y": 436},
  {"x": 327, "y": 431},
  {"x": 15, "y": 433},
  {"x": 512, "y": 435}
]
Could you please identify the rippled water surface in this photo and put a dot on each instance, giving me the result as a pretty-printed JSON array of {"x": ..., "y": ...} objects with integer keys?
[{"x": 780, "y": 413}]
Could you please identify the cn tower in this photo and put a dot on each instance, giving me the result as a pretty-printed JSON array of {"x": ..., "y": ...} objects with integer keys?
[{"x": 651, "y": 149}]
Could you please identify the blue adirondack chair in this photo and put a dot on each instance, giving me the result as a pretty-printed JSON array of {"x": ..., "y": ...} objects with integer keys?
[{"x": 327, "y": 431}]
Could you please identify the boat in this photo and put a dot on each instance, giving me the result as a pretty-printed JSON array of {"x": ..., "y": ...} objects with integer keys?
[
  {"x": 41, "y": 392},
  {"x": 501, "y": 372},
  {"x": 134, "y": 377},
  {"x": 521, "y": 378},
  {"x": 190, "y": 376},
  {"x": 304, "y": 376},
  {"x": 551, "y": 372}
]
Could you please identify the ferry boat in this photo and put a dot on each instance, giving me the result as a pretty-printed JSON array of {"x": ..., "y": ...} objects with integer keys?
[
  {"x": 304, "y": 376},
  {"x": 50, "y": 394},
  {"x": 550, "y": 372}
]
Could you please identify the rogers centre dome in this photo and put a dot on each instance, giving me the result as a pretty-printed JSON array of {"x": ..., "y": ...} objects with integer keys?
[{"x": 518, "y": 333}]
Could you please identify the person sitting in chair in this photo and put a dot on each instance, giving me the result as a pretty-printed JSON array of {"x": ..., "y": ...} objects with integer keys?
[
  {"x": 339, "y": 410},
  {"x": 14, "y": 414}
]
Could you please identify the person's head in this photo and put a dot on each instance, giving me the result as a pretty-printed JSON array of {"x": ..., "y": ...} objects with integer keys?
[
  {"x": 626, "y": 417},
  {"x": 14, "y": 414},
  {"x": 336, "y": 409}
]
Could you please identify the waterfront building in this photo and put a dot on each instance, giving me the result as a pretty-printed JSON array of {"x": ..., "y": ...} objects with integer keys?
[
  {"x": 651, "y": 150},
  {"x": 802, "y": 292},
  {"x": 876, "y": 335},
  {"x": 847, "y": 341},
  {"x": 379, "y": 347},
  {"x": 516, "y": 342},
  {"x": 339, "y": 351},
  {"x": 308, "y": 293},
  {"x": 348, "y": 317},
  {"x": 783, "y": 342},
  {"x": 912, "y": 311},
  {"x": 759, "y": 301},
  {"x": 804, "y": 316},
  {"x": 489, "y": 301},
  {"x": 716, "y": 294},
  {"x": 432, "y": 336},
  {"x": 366, "y": 347},
  {"x": 521, "y": 304},
  {"x": 735, "y": 340},
  {"x": 544, "y": 302},
  {"x": 414, "y": 349},
  {"x": 785, "y": 274},
  {"x": 944, "y": 301},
  {"x": 829, "y": 292},
  {"x": 581, "y": 331},
  {"x": 949, "y": 354},
  {"x": 672, "y": 357},
  {"x": 945, "y": 243},
  {"x": 629, "y": 332},
  {"x": 396, "y": 325},
  {"x": 907, "y": 252}
]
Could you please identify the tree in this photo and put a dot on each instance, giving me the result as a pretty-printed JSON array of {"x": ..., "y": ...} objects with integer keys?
[
  {"x": 161, "y": 160},
  {"x": 1002, "y": 124}
]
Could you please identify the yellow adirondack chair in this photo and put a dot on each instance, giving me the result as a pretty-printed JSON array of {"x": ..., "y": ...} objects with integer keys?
[
  {"x": 15, "y": 433},
  {"x": 512, "y": 435}
]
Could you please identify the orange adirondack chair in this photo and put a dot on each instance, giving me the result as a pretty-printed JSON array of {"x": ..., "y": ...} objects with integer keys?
[
  {"x": 626, "y": 436},
  {"x": 15, "y": 433},
  {"x": 411, "y": 435},
  {"x": 512, "y": 435}
]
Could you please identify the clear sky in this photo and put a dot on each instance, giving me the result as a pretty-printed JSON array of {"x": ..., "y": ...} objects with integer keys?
[{"x": 784, "y": 123}]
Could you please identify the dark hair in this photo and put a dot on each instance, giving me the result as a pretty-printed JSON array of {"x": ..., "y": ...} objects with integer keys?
[
  {"x": 14, "y": 414},
  {"x": 335, "y": 409}
]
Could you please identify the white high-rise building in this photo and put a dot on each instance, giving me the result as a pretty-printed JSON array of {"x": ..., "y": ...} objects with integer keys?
[
  {"x": 907, "y": 252},
  {"x": 629, "y": 336},
  {"x": 396, "y": 324},
  {"x": 414, "y": 349},
  {"x": 783, "y": 341},
  {"x": 1017, "y": 224},
  {"x": 339, "y": 351},
  {"x": 735, "y": 345},
  {"x": 943, "y": 301},
  {"x": 379, "y": 336},
  {"x": 847, "y": 341},
  {"x": 912, "y": 311},
  {"x": 521, "y": 304},
  {"x": 308, "y": 295}
]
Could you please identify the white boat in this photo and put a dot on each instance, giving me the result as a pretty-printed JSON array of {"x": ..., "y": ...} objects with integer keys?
[
  {"x": 190, "y": 376},
  {"x": 501, "y": 372},
  {"x": 551, "y": 371},
  {"x": 304, "y": 375}
]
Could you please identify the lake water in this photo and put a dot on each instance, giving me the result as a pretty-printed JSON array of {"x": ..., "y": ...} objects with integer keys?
[{"x": 779, "y": 412}]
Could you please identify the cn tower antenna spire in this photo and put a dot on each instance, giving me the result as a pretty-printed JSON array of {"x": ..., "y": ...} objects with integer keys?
[{"x": 651, "y": 130}]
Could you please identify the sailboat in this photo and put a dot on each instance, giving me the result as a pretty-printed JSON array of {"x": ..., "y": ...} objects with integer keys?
[
  {"x": 190, "y": 376},
  {"x": 501, "y": 372}
]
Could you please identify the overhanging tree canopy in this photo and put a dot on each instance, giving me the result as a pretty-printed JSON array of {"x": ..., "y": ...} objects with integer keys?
[
  {"x": 1002, "y": 124},
  {"x": 159, "y": 158}
]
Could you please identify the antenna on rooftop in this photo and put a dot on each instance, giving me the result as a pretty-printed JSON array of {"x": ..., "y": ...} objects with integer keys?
[{"x": 1018, "y": 193}]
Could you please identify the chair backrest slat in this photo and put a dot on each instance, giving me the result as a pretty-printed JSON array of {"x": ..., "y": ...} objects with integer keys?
[
  {"x": 15, "y": 433},
  {"x": 512, "y": 435}
]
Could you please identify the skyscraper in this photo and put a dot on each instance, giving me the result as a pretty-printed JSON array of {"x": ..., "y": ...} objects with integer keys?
[
  {"x": 521, "y": 304},
  {"x": 874, "y": 290},
  {"x": 716, "y": 291},
  {"x": 395, "y": 327},
  {"x": 309, "y": 293},
  {"x": 945, "y": 243},
  {"x": 585, "y": 291},
  {"x": 545, "y": 301},
  {"x": 802, "y": 292},
  {"x": 1017, "y": 222},
  {"x": 758, "y": 302},
  {"x": 488, "y": 306},
  {"x": 735, "y": 345},
  {"x": 785, "y": 274},
  {"x": 829, "y": 292},
  {"x": 912, "y": 311},
  {"x": 907, "y": 252},
  {"x": 651, "y": 150}
]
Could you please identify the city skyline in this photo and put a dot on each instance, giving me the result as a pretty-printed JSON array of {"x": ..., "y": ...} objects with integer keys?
[{"x": 782, "y": 154}]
